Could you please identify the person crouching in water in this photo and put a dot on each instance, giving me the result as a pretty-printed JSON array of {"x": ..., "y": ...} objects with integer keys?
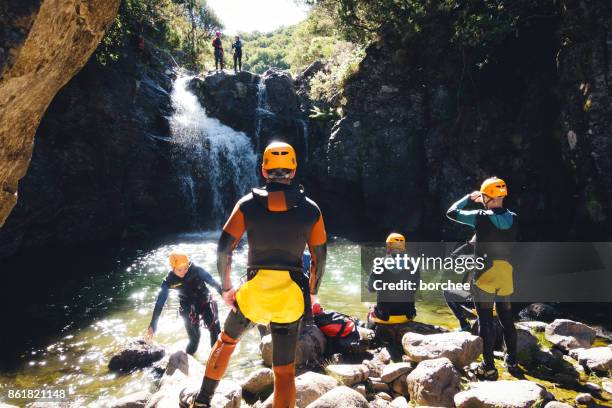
[
  {"x": 196, "y": 303},
  {"x": 393, "y": 307},
  {"x": 496, "y": 230},
  {"x": 279, "y": 221}
]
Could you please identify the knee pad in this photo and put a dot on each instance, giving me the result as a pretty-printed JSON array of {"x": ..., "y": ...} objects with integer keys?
[{"x": 220, "y": 356}]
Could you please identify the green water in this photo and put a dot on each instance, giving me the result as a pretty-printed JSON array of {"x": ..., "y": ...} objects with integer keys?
[
  {"x": 124, "y": 298},
  {"x": 109, "y": 309}
]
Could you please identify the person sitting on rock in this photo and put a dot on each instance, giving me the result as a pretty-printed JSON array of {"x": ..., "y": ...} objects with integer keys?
[
  {"x": 393, "y": 308},
  {"x": 196, "y": 302},
  {"x": 218, "y": 51},
  {"x": 279, "y": 221},
  {"x": 496, "y": 230},
  {"x": 237, "y": 47}
]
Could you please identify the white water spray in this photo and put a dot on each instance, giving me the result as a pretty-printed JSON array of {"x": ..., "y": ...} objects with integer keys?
[{"x": 223, "y": 154}]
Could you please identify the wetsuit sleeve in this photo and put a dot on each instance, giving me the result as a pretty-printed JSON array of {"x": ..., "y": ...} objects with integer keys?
[
  {"x": 457, "y": 213},
  {"x": 317, "y": 244},
  {"x": 208, "y": 278},
  {"x": 159, "y": 304},
  {"x": 230, "y": 237}
]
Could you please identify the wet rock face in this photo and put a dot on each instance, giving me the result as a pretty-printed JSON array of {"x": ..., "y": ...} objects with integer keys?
[
  {"x": 102, "y": 166},
  {"x": 417, "y": 135},
  {"x": 266, "y": 107},
  {"x": 232, "y": 98},
  {"x": 44, "y": 43}
]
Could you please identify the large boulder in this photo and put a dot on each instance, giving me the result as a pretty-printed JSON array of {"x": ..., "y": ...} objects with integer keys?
[
  {"x": 526, "y": 346},
  {"x": 136, "y": 354},
  {"x": 348, "y": 374},
  {"x": 460, "y": 348},
  {"x": 568, "y": 334},
  {"x": 309, "y": 350},
  {"x": 44, "y": 43},
  {"x": 434, "y": 383},
  {"x": 501, "y": 394},
  {"x": 232, "y": 98},
  {"x": 259, "y": 381},
  {"x": 308, "y": 386},
  {"x": 597, "y": 359},
  {"x": 395, "y": 370},
  {"x": 344, "y": 397},
  {"x": 184, "y": 372}
]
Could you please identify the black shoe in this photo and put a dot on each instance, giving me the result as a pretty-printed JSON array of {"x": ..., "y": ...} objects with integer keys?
[
  {"x": 486, "y": 373},
  {"x": 187, "y": 399}
]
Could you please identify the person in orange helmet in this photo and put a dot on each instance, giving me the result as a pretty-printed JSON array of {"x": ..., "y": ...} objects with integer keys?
[
  {"x": 196, "y": 302},
  {"x": 279, "y": 220},
  {"x": 496, "y": 229}
]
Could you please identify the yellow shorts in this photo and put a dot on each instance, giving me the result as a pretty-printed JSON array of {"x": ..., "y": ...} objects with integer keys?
[
  {"x": 392, "y": 319},
  {"x": 271, "y": 296},
  {"x": 497, "y": 279}
]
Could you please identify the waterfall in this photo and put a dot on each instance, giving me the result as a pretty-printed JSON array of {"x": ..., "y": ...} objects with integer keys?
[
  {"x": 210, "y": 152},
  {"x": 261, "y": 112},
  {"x": 304, "y": 124}
]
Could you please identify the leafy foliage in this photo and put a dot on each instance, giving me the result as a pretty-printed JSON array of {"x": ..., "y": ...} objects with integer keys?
[
  {"x": 293, "y": 48},
  {"x": 477, "y": 26},
  {"x": 183, "y": 27}
]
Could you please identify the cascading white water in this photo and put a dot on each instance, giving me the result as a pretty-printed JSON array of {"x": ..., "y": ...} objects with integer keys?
[
  {"x": 262, "y": 111},
  {"x": 305, "y": 136},
  {"x": 212, "y": 149}
]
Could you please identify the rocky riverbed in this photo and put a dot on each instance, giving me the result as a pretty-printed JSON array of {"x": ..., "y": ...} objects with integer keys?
[{"x": 564, "y": 363}]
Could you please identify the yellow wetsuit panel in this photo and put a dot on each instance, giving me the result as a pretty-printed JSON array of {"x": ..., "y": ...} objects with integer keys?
[
  {"x": 497, "y": 279},
  {"x": 392, "y": 320},
  {"x": 271, "y": 296}
]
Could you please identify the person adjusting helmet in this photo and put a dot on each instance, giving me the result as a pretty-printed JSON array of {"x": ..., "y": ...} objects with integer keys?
[
  {"x": 279, "y": 220},
  {"x": 496, "y": 231},
  {"x": 196, "y": 302}
]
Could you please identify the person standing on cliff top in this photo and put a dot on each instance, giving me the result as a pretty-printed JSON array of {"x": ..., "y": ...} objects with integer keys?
[
  {"x": 218, "y": 51},
  {"x": 496, "y": 230},
  {"x": 196, "y": 302},
  {"x": 279, "y": 221},
  {"x": 237, "y": 47}
]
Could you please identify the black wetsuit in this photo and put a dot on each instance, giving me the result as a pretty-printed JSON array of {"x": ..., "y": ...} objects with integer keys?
[
  {"x": 279, "y": 221},
  {"x": 218, "y": 46},
  {"x": 237, "y": 47},
  {"x": 496, "y": 230},
  {"x": 394, "y": 302},
  {"x": 196, "y": 304}
]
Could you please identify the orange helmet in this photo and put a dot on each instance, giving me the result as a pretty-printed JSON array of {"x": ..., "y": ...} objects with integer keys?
[
  {"x": 396, "y": 241},
  {"x": 278, "y": 155},
  {"x": 178, "y": 260},
  {"x": 494, "y": 187}
]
